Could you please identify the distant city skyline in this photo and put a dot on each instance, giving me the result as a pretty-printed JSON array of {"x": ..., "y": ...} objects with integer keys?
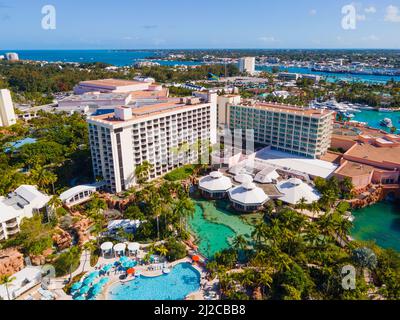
[{"x": 177, "y": 24}]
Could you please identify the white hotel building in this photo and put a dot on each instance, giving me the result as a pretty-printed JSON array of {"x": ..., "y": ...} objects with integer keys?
[{"x": 167, "y": 134}]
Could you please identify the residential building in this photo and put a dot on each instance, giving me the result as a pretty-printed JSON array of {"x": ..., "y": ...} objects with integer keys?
[
  {"x": 301, "y": 131},
  {"x": 80, "y": 194},
  {"x": 169, "y": 134},
  {"x": 247, "y": 65},
  {"x": 288, "y": 76},
  {"x": 7, "y": 114},
  {"x": 12, "y": 56},
  {"x": 22, "y": 203}
]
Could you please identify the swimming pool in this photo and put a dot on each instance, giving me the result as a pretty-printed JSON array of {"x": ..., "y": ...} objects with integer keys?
[{"x": 183, "y": 280}]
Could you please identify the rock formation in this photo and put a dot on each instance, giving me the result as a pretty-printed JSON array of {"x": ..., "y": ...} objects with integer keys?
[{"x": 11, "y": 261}]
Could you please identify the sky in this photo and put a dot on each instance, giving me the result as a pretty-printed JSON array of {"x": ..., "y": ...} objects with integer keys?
[{"x": 168, "y": 24}]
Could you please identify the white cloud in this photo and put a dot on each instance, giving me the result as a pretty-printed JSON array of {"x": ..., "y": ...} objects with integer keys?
[
  {"x": 361, "y": 17},
  {"x": 370, "y": 9},
  {"x": 392, "y": 14},
  {"x": 371, "y": 37},
  {"x": 267, "y": 39},
  {"x": 313, "y": 12}
]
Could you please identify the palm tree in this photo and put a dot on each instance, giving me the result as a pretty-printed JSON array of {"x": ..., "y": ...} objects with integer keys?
[
  {"x": 259, "y": 232},
  {"x": 43, "y": 178},
  {"x": 7, "y": 280},
  {"x": 162, "y": 250},
  {"x": 240, "y": 242},
  {"x": 54, "y": 203},
  {"x": 184, "y": 209},
  {"x": 302, "y": 204},
  {"x": 314, "y": 207},
  {"x": 142, "y": 172}
]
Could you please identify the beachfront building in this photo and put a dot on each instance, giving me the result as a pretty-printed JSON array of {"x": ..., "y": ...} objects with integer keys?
[
  {"x": 215, "y": 185},
  {"x": 247, "y": 197},
  {"x": 295, "y": 190},
  {"x": 25, "y": 280},
  {"x": 22, "y": 203},
  {"x": 300, "y": 131},
  {"x": 168, "y": 134},
  {"x": 289, "y": 76},
  {"x": 371, "y": 160},
  {"x": 247, "y": 65},
  {"x": 80, "y": 194},
  {"x": 7, "y": 114}
]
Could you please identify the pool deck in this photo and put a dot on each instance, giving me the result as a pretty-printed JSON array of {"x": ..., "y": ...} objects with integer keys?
[{"x": 198, "y": 295}]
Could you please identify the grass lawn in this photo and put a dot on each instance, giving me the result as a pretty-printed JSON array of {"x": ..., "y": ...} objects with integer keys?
[{"x": 180, "y": 174}]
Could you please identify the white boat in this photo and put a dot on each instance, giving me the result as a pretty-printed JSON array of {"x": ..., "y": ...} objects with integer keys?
[
  {"x": 385, "y": 110},
  {"x": 386, "y": 123}
]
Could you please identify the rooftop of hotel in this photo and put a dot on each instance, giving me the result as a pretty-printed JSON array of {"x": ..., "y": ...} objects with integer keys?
[
  {"x": 376, "y": 154},
  {"x": 352, "y": 133},
  {"x": 173, "y": 104},
  {"x": 354, "y": 169},
  {"x": 112, "y": 82},
  {"x": 277, "y": 107}
]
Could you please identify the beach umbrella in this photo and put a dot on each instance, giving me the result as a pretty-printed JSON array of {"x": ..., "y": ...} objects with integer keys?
[
  {"x": 88, "y": 281},
  {"x": 131, "y": 271},
  {"x": 103, "y": 281},
  {"x": 96, "y": 290},
  {"x": 79, "y": 298},
  {"x": 84, "y": 290},
  {"x": 76, "y": 286},
  {"x": 196, "y": 258},
  {"x": 94, "y": 274},
  {"x": 107, "y": 268}
]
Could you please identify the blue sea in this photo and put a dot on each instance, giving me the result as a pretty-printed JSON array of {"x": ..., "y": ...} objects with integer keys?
[
  {"x": 114, "y": 57},
  {"x": 129, "y": 57}
]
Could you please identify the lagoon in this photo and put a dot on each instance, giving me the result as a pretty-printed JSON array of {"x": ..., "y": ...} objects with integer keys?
[{"x": 379, "y": 223}]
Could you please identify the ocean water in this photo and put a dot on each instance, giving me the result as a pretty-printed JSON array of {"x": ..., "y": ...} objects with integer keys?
[
  {"x": 333, "y": 77},
  {"x": 129, "y": 57},
  {"x": 113, "y": 57},
  {"x": 373, "y": 118},
  {"x": 379, "y": 223}
]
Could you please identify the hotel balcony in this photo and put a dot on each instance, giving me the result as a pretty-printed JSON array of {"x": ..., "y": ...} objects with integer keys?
[
  {"x": 12, "y": 231},
  {"x": 12, "y": 223}
]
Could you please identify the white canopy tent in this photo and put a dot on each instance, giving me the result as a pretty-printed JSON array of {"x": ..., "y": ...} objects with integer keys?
[
  {"x": 216, "y": 181},
  {"x": 106, "y": 247},
  {"x": 133, "y": 247},
  {"x": 119, "y": 249},
  {"x": 243, "y": 178},
  {"x": 294, "y": 190},
  {"x": 247, "y": 197}
]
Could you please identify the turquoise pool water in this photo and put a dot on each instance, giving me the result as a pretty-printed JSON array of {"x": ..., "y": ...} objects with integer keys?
[
  {"x": 380, "y": 223},
  {"x": 212, "y": 237},
  {"x": 183, "y": 280},
  {"x": 215, "y": 227},
  {"x": 373, "y": 118}
]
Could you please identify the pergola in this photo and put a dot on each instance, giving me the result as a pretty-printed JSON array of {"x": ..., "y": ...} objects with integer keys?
[
  {"x": 133, "y": 248},
  {"x": 106, "y": 248},
  {"x": 119, "y": 249}
]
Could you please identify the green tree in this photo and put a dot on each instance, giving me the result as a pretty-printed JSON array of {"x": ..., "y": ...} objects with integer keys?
[{"x": 7, "y": 281}]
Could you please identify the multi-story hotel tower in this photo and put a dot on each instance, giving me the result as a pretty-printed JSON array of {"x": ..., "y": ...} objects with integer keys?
[
  {"x": 169, "y": 134},
  {"x": 302, "y": 131}
]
